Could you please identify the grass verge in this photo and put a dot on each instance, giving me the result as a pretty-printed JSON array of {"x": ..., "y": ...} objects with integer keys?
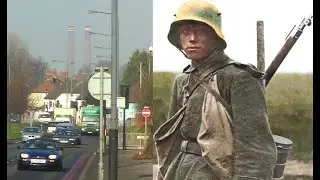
[{"x": 14, "y": 130}]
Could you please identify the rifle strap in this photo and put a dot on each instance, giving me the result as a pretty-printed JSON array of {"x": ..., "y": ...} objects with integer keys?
[
  {"x": 204, "y": 76},
  {"x": 248, "y": 67},
  {"x": 217, "y": 96}
]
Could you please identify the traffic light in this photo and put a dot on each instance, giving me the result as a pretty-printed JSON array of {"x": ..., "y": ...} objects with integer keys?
[{"x": 124, "y": 92}]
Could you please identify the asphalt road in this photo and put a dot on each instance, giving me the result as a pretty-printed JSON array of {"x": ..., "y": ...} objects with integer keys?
[{"x": 70, "y": 165}]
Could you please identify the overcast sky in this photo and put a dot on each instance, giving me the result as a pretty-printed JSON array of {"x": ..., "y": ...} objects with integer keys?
[
  {"x": 239, "y": 28},
  {"x": 43, "y": 24}
]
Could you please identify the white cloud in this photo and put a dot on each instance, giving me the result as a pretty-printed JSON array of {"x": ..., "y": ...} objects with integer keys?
[{"x": 239, "y": 27}]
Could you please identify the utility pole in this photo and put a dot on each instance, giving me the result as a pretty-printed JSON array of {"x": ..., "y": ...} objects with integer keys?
[
  {"x": 260, "y": 48},
  {"x": 101, "y": 148},
  {"x": 124, "y": 129},
  {"x": 140, "y": 70},
  {"x": 113, "y": 131}
]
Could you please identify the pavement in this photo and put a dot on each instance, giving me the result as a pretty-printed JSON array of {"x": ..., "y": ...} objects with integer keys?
[
  {"x": 128, "y": 168},
  {"x": 74, "y": 161}
]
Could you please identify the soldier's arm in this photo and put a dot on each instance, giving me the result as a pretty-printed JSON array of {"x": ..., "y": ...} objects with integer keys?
[
  {"x": 255, "y": 151},
  {"x": 173, "y": 106}
]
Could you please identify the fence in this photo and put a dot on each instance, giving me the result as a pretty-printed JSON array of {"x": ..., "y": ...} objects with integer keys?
[{"x": 133, "y": 140}]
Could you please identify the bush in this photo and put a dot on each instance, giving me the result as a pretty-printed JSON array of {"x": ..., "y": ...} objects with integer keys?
[
  {"x": 135, "y": 129},
  {"x": 289, "y": 98},
  {"x": 14, "y": 131}
]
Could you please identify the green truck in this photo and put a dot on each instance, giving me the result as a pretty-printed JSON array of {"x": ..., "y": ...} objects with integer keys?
[{"x": 90, "y": 120}]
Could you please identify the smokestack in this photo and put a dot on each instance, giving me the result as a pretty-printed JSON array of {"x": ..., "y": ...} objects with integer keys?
[
  {"x": 87, "y": 49},
  {"x": 71, "y": 62}
]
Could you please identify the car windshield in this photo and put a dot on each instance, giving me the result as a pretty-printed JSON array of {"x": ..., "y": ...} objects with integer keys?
[
  {"x": 90, "y": 119},
  {"x": 32, "y": 130},
  {"x": 44, "y": 116},
  {"x": 64, "y": 133},
  {"x": 39, "y": 144},
  {"x": 68, "y": 126},
  {"x": 53, "y": 124}
]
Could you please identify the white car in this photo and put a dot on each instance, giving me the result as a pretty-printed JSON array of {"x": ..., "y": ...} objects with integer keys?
[
  {"x": 44, "y": 118},
  {"x": 52, "y": 126}
]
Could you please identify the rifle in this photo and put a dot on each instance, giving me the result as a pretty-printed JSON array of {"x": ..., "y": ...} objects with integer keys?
[{"x": 290, "y": 41}]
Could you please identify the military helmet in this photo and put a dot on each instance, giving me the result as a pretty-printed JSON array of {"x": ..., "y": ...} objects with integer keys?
[{"x": 201, "y": 11}]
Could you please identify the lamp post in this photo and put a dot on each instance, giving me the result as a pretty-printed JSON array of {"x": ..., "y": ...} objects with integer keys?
[
  {"x": 91, "y": 11},
  {"x": 99, "y": 47},
  {"x": 95, "y": 33}
]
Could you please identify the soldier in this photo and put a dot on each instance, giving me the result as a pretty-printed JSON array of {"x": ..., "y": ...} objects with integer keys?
[{"x": 218, "y": 126}]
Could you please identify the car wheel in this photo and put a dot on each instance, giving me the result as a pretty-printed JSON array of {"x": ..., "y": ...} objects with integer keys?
[
  {"x": 60, "y": 166},
  {"x": 20, "y": 166}
]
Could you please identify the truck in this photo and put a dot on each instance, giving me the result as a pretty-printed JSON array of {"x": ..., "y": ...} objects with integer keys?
[
  {"x": 65, "y": 115},
  {"x": 90, "y": 120}
]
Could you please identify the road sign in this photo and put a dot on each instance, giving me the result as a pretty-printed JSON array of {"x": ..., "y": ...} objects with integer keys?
[
  {"x": 121, "y": 102},
  {"x": 146, "y": 112},
  {"x": 94, "y": 86}
]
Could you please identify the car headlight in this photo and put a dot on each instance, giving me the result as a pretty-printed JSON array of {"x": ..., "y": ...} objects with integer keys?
[
  {"x": 55, "y": 138},
  {"x": 82, "y": 129},
  {"x": 97, "y": 129},
  {"x": 25, "y": 136},
  {"x": 37, "y": 136},
  {"x": 52, "y": 156},
  {"x": 71, "y": 139},
  {"x": 23, "y": 155}
]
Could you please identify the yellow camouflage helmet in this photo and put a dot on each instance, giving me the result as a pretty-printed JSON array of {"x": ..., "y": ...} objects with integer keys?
[{"x": 197, "y": 10}]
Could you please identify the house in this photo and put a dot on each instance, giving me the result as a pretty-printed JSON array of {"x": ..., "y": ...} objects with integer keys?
[
  {"x": 36, "y": 98},
  {"x": 59, "y": 97}
]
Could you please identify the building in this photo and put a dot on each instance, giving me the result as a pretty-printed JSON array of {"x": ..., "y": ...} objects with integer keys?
[
  {"x": 63, "y": 99},
  {"x": 36, "y": 98}
]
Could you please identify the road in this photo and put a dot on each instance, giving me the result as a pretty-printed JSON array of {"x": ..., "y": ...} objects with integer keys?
[{"x": 71, "y": 162}]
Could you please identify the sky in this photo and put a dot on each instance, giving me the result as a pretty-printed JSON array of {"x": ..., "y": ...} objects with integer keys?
[
  {"x": 239, "y": 28},
  {"x": 42, "y": 26}
]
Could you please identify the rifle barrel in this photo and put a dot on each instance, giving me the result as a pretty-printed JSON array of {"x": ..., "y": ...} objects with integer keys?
[{"x": 282, "y": 54}]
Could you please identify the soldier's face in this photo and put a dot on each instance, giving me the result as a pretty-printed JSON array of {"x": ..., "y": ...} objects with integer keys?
[{"x": 197, "y": 39}]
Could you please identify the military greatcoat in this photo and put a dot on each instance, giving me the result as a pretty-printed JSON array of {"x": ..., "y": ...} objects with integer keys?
[{"x": 235, "y": 145}]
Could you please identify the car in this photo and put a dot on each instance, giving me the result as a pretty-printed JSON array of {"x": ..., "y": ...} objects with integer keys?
[
  {"x": 66, "y": 137},
  {"x": 44, "y": 118},
  {"x": 66, "y": 125},
  {"x": 31, "y": 133},
  {"x": 52, "y": 127},
  {"x": 43, "y": 153},
  {"x": 71, "y": 127}
]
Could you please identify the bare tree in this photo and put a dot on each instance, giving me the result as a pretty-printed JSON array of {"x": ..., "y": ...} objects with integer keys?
[{"x": 22, "y": 73}]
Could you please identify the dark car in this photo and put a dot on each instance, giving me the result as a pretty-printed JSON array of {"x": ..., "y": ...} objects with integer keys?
[
  {"x": 42, "y": 153},
  {"x": 70, "y": 126},
  {"x": 65, "y": 136}
]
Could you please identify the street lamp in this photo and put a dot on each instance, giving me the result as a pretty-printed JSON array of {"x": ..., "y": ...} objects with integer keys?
[
  {"x": 99, "y": 56},
  {"x": 95, "y": 33},
  {"x": 97, "y": 12},
  {"x": 99, "y": 47}
]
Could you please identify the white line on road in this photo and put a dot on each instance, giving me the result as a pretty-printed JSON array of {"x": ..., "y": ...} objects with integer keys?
[{"x": 87, "y": 166}]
